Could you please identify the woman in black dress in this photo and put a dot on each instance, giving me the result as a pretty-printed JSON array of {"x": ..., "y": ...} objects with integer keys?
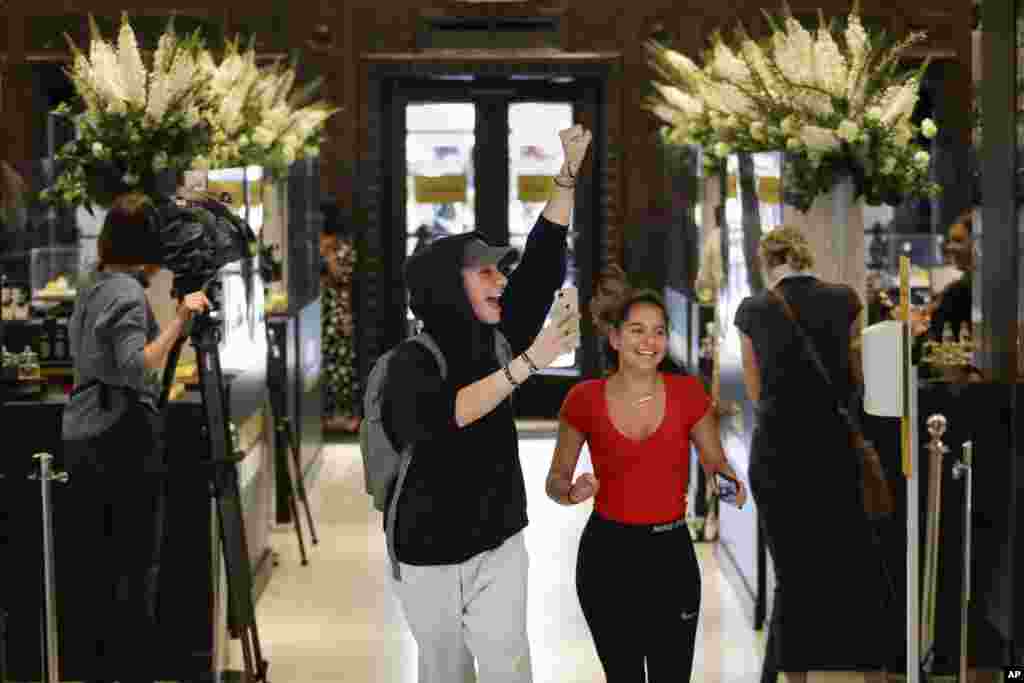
[{"x": 803, "y": 475}]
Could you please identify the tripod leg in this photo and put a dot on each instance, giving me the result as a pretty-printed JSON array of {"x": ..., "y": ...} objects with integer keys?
[
  {"x": 300, "y": 481},
  {"x": 3, "y": 646},
  {"x": 282, "y": 430},
  {"x": 247, "y": 654},
  {"x": 241, "y": 610}
]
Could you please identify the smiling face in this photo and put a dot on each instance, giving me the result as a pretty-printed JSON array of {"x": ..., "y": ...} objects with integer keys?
[
  {"x": 642, "y": 338},
  {"x": 484, "y": 286}
]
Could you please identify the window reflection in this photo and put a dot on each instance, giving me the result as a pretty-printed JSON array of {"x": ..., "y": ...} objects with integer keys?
[
  {"x": 439, "y": 185},
  {"x": 439, "y": 171}
]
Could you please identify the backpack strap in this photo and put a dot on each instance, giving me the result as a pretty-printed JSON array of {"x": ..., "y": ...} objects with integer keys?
[{"x": 426, "y": 340}]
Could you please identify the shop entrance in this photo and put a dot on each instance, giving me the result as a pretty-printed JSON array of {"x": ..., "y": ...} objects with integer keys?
[{"x": 465, "y": 153}]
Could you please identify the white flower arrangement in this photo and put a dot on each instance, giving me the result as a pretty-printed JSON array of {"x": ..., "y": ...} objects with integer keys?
[
  {"x": 834, "y": 102},
  {"x": 256, "y": 119},
  {"x": 138, "y": 121}
]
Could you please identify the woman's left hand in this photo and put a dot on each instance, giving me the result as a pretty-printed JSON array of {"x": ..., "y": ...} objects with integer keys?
[
  {"x": 741, "y": 494},
  {"x": 741, "y": 490}
]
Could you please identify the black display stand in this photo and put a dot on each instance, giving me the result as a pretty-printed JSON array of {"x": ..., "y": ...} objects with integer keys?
[{"x": 295, "y": 486}]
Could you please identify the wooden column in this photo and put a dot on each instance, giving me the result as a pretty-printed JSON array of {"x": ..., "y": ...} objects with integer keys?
[
  {"x": 998, "y": 276},
  {"x": 17, "y": 95}
]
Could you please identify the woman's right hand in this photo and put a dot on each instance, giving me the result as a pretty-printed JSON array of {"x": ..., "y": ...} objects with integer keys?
[
  {"x": 558, "y": 338},
  {"x": 193, "y": 303},
  {"x": 585, "y": 486}
]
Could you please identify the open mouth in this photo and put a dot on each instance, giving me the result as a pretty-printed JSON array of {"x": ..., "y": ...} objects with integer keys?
[{"x": 494, "y": 302}]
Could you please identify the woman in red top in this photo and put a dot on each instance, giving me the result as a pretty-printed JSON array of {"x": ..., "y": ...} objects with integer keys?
[{"x": 637, "y": 576}]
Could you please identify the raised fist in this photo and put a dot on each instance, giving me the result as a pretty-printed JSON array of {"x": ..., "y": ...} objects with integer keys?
[{"x": 575, "y": 142}]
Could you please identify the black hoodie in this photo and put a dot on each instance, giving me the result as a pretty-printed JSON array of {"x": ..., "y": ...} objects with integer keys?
[{"x": 464, "y": 491}]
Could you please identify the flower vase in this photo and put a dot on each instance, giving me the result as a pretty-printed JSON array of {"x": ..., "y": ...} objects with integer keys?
[{"x": 834, "y": 227}]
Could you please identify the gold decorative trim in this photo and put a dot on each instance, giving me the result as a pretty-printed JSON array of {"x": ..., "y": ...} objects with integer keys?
[{"x": 498, "y": 55}]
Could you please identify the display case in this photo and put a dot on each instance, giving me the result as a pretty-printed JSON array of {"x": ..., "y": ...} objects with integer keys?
[{"x": 53, "y": 274}]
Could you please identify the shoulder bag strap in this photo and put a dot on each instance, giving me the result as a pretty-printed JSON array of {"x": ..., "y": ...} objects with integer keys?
[{"x": 812, "y": 353}]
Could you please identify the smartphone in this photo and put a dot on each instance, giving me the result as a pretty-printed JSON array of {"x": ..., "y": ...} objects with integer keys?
[
  {"x": 728, "y": 490},
  {"x": 567, "y": 299}
]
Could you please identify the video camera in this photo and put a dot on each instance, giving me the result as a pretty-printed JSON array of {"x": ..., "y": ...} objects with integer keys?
[{"x": 199, "y": 235}]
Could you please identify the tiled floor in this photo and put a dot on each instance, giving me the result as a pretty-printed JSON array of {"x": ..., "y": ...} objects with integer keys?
[{"x": 336, "y": 620}]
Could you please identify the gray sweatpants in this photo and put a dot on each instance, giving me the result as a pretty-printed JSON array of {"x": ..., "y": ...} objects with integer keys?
[{"x": 473, "y": 609}]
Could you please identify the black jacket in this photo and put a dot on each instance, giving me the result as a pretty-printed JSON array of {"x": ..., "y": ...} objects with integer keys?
[{"x": 464, "y": 491}]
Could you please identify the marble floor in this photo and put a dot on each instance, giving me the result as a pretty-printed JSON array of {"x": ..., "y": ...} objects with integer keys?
[{"x": 336, "y": 620}]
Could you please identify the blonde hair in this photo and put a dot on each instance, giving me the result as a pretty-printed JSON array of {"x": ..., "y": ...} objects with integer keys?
[{"x": 786, "y": 244}]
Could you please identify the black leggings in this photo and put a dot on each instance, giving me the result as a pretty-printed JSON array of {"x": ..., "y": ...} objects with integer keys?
[
  {"x": 639, "y": 589},
  {"x": 117, "y": 503}
]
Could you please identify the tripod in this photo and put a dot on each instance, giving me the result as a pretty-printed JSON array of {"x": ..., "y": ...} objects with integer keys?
[
  {"x": 283, "y": 428},
  {"x": 241, "y": 617}
]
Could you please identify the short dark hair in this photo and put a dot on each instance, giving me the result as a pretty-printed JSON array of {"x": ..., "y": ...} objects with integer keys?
[{"x": 129, "y": 235}]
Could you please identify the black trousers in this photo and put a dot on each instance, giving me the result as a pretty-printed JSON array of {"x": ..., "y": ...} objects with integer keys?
[
  {"x": 639, "y": 589},
  {"x": 117, "y": 499}
]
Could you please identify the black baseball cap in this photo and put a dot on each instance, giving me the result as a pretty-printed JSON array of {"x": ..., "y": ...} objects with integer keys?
[{"x": 477, "y": 254}]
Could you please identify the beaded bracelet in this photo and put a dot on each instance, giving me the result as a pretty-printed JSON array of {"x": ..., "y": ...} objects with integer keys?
[
  {"x": 529, "y": 361},
  {"x": 508, "y": 376}
]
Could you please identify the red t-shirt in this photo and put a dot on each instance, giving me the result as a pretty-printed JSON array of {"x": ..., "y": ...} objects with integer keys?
[{"x": 641, "y": 482}]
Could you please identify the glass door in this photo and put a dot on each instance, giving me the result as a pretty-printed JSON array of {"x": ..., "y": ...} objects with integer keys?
[
  {"x": 480, "y": 153},
  {"x": 446, "y": 135},
  {"x": 535, "y": 157},
  {"x": 440, "y": 189}
]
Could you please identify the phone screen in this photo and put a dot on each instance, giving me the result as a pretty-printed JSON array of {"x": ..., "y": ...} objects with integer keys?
[
  {"x": 567, "y": 299},
  {"x": 727, "y": 489}
]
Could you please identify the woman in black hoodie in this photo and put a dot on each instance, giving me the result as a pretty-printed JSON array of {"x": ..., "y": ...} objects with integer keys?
[{"x": 462, "y": 509}]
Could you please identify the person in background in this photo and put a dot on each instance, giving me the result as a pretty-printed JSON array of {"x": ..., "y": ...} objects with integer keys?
[
  {"x": 338, "y": 255},
  {"x": 879, "y": 304},
  {"x": 637, "y": 577},
  {"x": 953, "y": 304},
  {"x": 113, "y": 438},
  {"x": 830, "y": 591}
]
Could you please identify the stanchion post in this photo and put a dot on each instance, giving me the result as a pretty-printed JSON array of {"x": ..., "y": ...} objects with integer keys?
[
  {"x": 963, "y": 469},
  {"x": 52, "y": 646},
  {"x": 911, "y": 471},
  {"x": 937, "y": 450}
]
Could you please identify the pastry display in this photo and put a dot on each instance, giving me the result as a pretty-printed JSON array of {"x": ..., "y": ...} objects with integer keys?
[
  {"x": 56, "y": 290},
  {"x": 277, "y": 302}
]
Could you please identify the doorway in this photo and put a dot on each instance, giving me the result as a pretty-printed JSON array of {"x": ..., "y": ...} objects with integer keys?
[{"x": 465, "y": 153}]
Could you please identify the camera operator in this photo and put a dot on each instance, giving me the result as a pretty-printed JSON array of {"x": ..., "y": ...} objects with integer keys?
[{"x": 113, "y": 436}]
